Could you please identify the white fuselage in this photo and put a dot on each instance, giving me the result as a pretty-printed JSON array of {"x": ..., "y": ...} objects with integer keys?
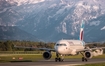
[{"x": 69, "y": 47}]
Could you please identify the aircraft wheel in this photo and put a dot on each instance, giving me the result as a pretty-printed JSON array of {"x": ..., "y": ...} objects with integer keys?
[
  {"x": 56, "y": 59},
  {"x": 84, "y": 59},
  {"x": 59, "y": 59}
]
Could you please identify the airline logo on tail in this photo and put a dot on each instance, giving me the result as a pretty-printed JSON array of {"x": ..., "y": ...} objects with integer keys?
[{"x": 81, "y": 30}]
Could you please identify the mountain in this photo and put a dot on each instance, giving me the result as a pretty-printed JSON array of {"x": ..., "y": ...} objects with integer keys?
[
  {"x": 52, "y": 20},
  {"x": 14, "y": 33},
  {"x": 96, "y": 31}
]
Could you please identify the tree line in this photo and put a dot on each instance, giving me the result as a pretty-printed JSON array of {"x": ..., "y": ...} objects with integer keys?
[{"x": 9, "y": 45}]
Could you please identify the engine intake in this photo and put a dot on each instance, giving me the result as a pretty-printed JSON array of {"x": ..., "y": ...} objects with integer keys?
[
  {"x": 47, "y": 55},
  {"x": 88, "y": 55}
]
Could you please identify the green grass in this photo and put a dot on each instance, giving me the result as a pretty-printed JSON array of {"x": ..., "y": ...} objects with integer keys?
[
  {"x": 96, "y": 64},
  {"x": 100, "y": 56},
  {"x": 79, "y": 56},
  {"x": 29, "y": 57},
  {"x": 32, "y": 57}
]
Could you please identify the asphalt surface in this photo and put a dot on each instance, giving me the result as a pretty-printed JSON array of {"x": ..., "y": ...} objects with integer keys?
[{"x": 67, "y": 62}]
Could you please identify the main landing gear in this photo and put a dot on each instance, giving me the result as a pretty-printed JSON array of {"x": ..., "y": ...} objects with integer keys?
[
  {"x": 83, "y": 58},
  {"x": 58, "y": 58}
]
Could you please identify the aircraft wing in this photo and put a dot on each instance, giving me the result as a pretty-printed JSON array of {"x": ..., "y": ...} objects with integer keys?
[
  {"x": 91, "y": 49},
  {"x": 46, "y": 49}
]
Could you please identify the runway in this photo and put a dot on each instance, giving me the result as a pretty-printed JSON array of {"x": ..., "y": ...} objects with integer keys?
[{"x": 67, "y": 62}]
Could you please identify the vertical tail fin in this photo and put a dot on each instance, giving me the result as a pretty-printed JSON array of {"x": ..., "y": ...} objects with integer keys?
[{"x": 82, "y": 30}]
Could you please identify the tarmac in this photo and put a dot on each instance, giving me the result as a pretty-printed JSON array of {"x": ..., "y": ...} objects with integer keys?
[{"x": 66, "y": 62}]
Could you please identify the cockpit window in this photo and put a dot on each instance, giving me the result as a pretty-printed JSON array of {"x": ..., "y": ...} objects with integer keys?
[{"x": 60, "y": 44}]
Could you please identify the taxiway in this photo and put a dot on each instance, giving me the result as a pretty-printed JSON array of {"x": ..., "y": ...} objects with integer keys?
[{"x": 67, "y": 62}]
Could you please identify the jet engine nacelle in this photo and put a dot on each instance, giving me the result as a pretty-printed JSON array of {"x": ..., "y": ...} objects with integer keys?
[
  {"x": 98, "y": 52},
  {"x": 88, "y": 54},
  {"x": 47, "y": 55}
]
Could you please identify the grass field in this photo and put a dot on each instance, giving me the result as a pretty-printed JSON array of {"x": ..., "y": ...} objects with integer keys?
[
  {"x": 32, "y": 57},
  {"x": 20, "y": 57},
  {"x": 9, "y": 56}
]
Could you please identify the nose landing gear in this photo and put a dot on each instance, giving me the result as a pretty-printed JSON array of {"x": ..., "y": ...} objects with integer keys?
[{"x": 58, "y": 58}]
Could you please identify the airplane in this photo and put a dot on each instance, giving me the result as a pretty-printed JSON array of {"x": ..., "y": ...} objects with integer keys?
[{"x": 70, "y": 48}]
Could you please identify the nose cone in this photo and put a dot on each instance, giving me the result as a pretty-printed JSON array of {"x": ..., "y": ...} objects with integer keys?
[{"x": 60, "y": 50}]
